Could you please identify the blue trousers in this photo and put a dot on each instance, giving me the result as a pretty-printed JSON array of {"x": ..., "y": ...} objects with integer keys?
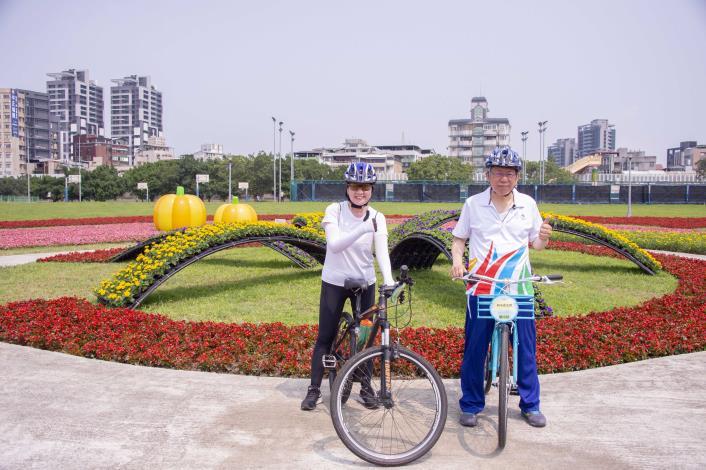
[{"x": 478, "y": 334}]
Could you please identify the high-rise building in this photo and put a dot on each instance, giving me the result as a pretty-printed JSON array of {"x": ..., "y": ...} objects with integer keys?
[
  {"x": 25, "y": 132},
  {"x": 597, "y": 136},
  {"x": 563, "y": 152},
  {"x": 135, "y": 112},
  {"x": 77, "y": 103},
  {"x": 473, "y": 139}
]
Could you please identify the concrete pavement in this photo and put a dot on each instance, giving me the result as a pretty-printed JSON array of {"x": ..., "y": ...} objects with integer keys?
[
  {"x": 26, "y": 258},
  {"x": 62, "y": 411}
]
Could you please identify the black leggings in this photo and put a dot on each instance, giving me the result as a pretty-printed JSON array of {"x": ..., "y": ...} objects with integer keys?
[{"x": 330, "y": 309}]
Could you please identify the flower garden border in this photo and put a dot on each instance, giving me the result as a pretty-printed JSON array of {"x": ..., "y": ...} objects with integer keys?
[{"x": 671, "y": 324}]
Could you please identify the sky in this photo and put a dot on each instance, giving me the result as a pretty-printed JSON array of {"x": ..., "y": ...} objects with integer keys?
[{"x": 388, "y": 72}]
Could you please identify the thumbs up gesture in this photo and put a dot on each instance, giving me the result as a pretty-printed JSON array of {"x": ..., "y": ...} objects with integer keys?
[{"x": 545, "y": 231}]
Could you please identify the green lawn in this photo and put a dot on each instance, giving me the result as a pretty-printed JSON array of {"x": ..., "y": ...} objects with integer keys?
[
  {"x": 258, "y": 285},
  {"x": 50, "y": 210}
]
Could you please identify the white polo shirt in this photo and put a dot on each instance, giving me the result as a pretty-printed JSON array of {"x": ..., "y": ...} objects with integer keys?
[
  {"x": 356, "y": 261},
  {"x": 499, "y": 242}
]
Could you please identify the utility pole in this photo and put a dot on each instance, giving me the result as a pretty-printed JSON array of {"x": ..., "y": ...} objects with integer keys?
[
  {"x": 524, "y": 156},
  {"x": 274, "y": 158},
  {"x": 291, "y": 166}
]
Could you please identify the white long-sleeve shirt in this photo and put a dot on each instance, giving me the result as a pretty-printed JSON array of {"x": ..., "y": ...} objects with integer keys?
[{"x": 349, "y": 242}]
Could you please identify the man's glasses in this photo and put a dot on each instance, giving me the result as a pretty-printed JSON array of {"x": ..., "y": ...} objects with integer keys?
[{"x": 500, "y": 174}]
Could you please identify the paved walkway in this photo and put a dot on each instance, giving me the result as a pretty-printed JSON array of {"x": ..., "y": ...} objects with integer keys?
[
  {"x": 61, "y": 411},
  {"x": 26, "y": 258}
]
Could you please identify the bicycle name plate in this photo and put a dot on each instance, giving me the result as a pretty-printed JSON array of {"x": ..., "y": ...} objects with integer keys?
[{"x": 504, "y": 308}]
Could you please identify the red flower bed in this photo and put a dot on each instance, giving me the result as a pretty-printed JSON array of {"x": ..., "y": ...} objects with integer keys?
[
  {"x": 669, "y": 222},
  {"x": 672, "y": 324},
  {"x": 596, "y": 250},
  {"x": 97, "y": 256}
]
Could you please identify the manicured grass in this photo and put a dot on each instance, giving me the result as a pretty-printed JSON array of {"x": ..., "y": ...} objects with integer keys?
[
  {"x": 51, "y": 210},
  {"x": 258, "y": 285}
]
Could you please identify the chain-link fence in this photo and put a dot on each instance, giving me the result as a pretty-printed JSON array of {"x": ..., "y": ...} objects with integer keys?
[{"x": 436, "y": 191}]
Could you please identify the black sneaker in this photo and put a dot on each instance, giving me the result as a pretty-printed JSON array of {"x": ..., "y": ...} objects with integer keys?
[
  {"x": 370, "y": 400},
  {"x": 312, "y": 397}
]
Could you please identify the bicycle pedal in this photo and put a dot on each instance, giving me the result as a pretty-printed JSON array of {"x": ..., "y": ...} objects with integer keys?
[{"x": 329, "y": 361}]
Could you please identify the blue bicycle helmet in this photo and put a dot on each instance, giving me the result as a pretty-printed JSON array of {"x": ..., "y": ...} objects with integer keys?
[
  {"x": 360, "y": 172},
  {"x": 504, "y": 157}
]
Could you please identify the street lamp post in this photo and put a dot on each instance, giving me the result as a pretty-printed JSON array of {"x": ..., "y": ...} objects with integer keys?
[
  {"x": 542, "y": 128},
  {"x": 79, "y": 165},
  {"x": 279, "y": 157},
  {"x": 274, "y": 158},
  {"x": 291, "y": 166},
  {"x": 629, "y": 186},
  {"x": 230, "y": 191},
  {"x": 524, "y": 156}
]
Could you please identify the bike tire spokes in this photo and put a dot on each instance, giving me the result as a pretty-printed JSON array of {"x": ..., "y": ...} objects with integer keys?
[{"x": 399, "y": 428}]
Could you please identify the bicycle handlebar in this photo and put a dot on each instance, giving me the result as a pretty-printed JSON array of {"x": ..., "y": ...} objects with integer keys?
[{"x": 547, "y": 279}]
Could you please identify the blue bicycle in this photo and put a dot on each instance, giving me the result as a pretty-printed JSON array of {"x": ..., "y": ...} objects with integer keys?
[{"x": 505, "y": 309}]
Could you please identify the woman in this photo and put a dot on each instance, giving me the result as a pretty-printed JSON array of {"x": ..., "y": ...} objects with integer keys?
[{"x": 351, "y": 228}]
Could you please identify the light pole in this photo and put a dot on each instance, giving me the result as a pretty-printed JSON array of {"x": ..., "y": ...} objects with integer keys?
[
  {"x": 524, "y": 156},
  {"x": 542, "y": 128},
  {"x": 230, "y": 192},
  {"x": 291, "y": 165},
  {"x": 79, "y": 165},
  {"x": 274, "y": 158},
  {"x": 629, "y": 186},
  {"x": 29, "y": 198},
  {"x": 279, "y": 157}
]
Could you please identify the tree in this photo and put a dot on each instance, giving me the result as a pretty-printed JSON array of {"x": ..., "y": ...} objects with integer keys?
[
  {"x": 102, "y": 184},
  {"x": 553, "y": 173},
  {"x": 10, "y": 186},
  {"x": 161, "y": 178},
  {"x": 440, "y": 168}
]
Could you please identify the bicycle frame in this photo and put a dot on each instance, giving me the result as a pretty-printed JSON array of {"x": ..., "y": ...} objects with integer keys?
[{"x": 525, "y": 305}]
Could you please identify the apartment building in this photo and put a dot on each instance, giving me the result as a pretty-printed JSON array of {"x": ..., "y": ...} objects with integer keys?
[
  {"x": 595, "y": 137},
  {"x": 155, "y": 150},
  {"x": 26, "y": 133},
  {"x": 135, "y": 112},
  {"x": 77, "y": 104},
  {"x": 389, "y": 161},
  {"x": 473, "y": 139},
  {"x": 210, "y": 152},
  {"x": 686, "y": 156},
  {"x": 562, "y": 152}
]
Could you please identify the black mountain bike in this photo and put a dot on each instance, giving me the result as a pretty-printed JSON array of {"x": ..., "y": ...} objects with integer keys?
[{"x": 388, "y": 404}]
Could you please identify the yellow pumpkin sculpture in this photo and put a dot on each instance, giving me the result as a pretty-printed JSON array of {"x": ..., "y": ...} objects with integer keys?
[
  {"x": 173, "y": 211},
  {"x": 235, "y": 213}
]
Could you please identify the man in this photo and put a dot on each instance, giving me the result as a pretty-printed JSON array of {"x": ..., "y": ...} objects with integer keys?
[{"x": 498, "y": 224}]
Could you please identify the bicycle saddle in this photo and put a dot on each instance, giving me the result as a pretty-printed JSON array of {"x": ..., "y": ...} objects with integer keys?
[{"x": 351, "y": 284}]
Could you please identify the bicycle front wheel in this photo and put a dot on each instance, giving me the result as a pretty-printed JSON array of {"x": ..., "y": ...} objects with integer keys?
[
  {"x": 488, "y": 372},
  {"x": 503, "y": 384},
  {"x": 400, "y": 428}
]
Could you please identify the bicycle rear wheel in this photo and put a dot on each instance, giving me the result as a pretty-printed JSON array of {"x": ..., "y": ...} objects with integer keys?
[
  {"x": 343, "y": 347},
  {"x": 503, "y": 384},
  {"x": 392, "y": 431}
]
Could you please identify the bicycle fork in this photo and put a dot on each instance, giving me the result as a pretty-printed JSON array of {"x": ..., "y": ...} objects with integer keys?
[
  {"x": 385, "y": 372},
  {"x": 495, "y": 351}
]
